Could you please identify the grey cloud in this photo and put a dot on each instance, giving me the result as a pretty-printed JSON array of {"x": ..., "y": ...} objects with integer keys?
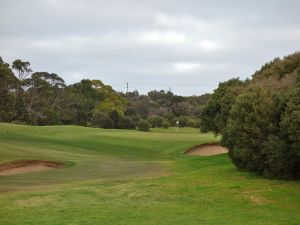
[{"x": 189, "y": 46}]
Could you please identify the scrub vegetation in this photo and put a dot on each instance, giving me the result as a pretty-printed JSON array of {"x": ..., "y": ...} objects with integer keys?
[
  {"x": 259, "y": 119},
  {"x": 43, "y": 98}
]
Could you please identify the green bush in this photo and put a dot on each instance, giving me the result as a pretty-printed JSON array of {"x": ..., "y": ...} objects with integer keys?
[
  {"x": 259, "y": 119},
  {"x": 215, "y": 113},
  {"x": 165, "y": 124},
  {"x": 250, "y": 123},
  {"x": 191, "y": 123},
  {"x": 102, "y": 120},
  {"x": 183, "y": 121},
  {"x": 126, "y": 123},
  {"x": 156, "y": 121},
  {"x": 263, "y": 133},
  {"x": 143, "y": 125}
]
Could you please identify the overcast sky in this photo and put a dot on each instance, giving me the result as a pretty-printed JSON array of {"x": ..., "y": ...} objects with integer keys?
[{"x": 186, "y": 45}]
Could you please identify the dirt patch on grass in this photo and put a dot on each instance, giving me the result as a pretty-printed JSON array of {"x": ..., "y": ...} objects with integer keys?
[
  {"x": 37, "y": 201},
  {"x": 207, "y": 150},
  {"x": 256, "y": 198},
  {"x": 27, "y": 166}
]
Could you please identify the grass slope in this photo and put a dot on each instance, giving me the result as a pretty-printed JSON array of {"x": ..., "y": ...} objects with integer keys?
[{"x": 129, "y": 177}]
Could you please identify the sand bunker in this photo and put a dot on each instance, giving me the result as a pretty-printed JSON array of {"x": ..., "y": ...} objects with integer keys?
[
  {"x": 207, "y": 150},
  {"x": 27, "y": 166}
]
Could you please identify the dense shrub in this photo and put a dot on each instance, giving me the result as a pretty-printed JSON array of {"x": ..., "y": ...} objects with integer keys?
[
  {"x": 183, "y": 121},
  {"x": 165, "y": 124},
  {"x": 43, "y": 98},
  {"x": 263, "y": 136},
  {"x": 102, "y": 120},
  {"x": 191, "y": 123},
  {"x": 286, "y": 160},
  {"x": 215, "y": 114},
  {"x": 156, "y": 121},
  {"x": 197, "y": 123},
  {"x": 250, "y": 123},
  {"x": 143, "y": 125},
  {"x": 259, "y": 119},
  {"x": 126, "y": 123}
]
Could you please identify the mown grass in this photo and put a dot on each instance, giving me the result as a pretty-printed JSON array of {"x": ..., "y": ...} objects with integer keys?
[
  {"x": 175, "y": 130},
  {"x": 130, "y": 177}
]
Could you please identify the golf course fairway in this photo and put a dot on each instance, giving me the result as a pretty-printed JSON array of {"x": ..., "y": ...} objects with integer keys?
[{"x": 133, "y": 178}]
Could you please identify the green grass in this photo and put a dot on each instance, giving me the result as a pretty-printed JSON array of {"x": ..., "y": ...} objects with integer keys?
[
  {"x": 175, "y": 130},
  {"x": 130, "y": 177}
]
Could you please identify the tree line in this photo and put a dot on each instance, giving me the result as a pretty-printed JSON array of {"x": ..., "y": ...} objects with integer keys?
[
  {"x": 259, "y": 118},
  {"x": 43, "y": 98}
]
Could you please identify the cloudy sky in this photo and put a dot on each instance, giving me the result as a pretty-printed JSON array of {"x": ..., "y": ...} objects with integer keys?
[{"x": 188, "y": 46}]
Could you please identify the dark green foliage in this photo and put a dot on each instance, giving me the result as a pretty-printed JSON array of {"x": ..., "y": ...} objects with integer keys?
[
  {"x": 215, "y": 114},
  {"x": 183, "y": 121},
  {"x": 290, "y": 133},
  {"x": 261, "y": 124},
  {"x": 250, "y": 123},
  {"x": 165, "y": 124},
  {"x": 42, "y": 98},
  {"x": 115, "y": 117},
  {"x": 279, "y": 68},
  {"x": 188, "y": 121},
  {"x": 143, "y": 125},
  {"x": 182, "y": 108},
  {"x": 8, "y": 84},
  {"x": 102, "y": 120},
  {"x": 263, "y": 139},
  {"x": 126, "y": 123},
  {"x": 84, "y": 98},
  {"x": 193, "y": 123},
  {"x": 159, "y": 106},
  {"x": 156, "y": 121}
]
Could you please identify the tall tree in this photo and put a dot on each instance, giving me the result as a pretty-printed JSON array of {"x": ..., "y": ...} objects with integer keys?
[
  {"x": 23, "y": 70},
  {"x": 85, "y": 97},
  {"x": 8, "y": 83},
  {"x": 44, "y": 97}
]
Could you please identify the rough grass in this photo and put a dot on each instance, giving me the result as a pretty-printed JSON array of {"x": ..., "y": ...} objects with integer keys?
[{"x": 129, "y": 177}]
